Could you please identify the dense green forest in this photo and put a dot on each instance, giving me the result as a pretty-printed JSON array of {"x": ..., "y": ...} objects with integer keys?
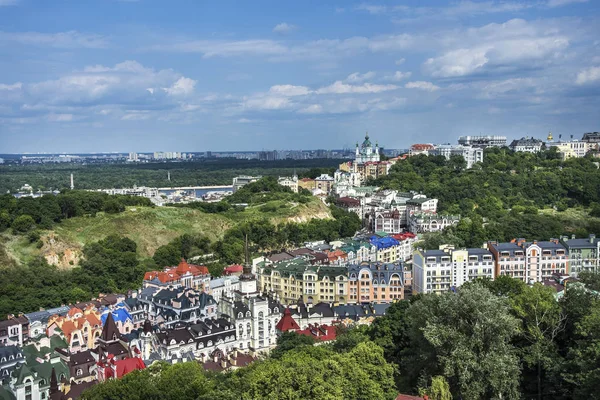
[
  {"x": 508, "y": 195},
  {"x": 497, "y": 339},
  {"x": 192, "y": 173}
]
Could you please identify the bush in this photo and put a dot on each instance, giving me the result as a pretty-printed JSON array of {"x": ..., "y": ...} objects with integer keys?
[
  {"x": 113, "y": 207},
  {"x": 22, "y": 224}
]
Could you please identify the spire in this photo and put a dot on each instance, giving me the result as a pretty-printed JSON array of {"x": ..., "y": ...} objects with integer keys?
[
  {"x": 147, "y": 326},
  {"x": 550, "y": 138},
  {"x": 110, "y": 332},
  {"x": 53, "y": 383},
  {"x": 247, "y": 272}
]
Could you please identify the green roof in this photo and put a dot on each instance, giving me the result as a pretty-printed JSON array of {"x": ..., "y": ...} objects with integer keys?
[
  {"x": 45, "y": 370},
  {"x": 6, "y": 394}
]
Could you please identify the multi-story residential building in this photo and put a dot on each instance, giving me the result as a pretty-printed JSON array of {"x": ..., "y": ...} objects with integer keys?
[
  {"x": 38, "y": 320},
  {"x": 584, "y": 254},
  {"x": 420, "y": 148},
  {"x": 184, "y": 275},
  {"x": 591, "y": 137},
  {"x": 307, "y": 183},
  {"x": 243, "y": 180},
  {"x": 530, "y": 261},
  {"x": 14, "y": 330},
  {"x": 483, "y": 141},
  {"x": 196, "y": 341},
  {"x": 388, "y": 248},
  {"x": 429, "y": 222},
  {"x": 386, "y": 221},
  {"x": 406, "y": 242},
  {"x": 573, "y": 148},
  {"x": 296, "y": 278},
  {"x": 437, "y": 271},
  {"x": 224, "y": 287},
  {"x": 11, "y": 357},
  {"x": 80, "y": 327},
  {"x": 470, "y": 154},
  {"x": 168, "y": 306},
  {"x": 375, "y": 282},
  {"x": 525, "y": 144},
  {"x": 357, "y": 252},
  {"x": 290, "y": 182},
  {"x": 122, "y": 318},
  {"x": 324, "y": 183}
]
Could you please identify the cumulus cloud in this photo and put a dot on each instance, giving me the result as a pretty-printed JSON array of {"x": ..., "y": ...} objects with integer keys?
[
  {"x": 422, "y": 85},
  {"x": 358, "y": 77},
  {"x": 398, "y": 76},
  {"x": 284, "y": 28},
  {"x": 340, "y": 87},
  {"x": 289, "y": 90},
  {"x": 400, "y": 61},
  {"x": 588, "y": 75},
  {"x": 182, "y": 87},
  {"x": 266, "y": 103},
  {"x": 508, "y": 45},
  {"x": 312, "y": 109}
]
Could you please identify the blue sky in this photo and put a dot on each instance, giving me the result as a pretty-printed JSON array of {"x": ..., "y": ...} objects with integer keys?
[{"x": 193, "y": 75}]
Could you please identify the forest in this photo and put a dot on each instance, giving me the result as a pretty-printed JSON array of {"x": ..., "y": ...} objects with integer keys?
[
  {"x": 497, "y": 339},
  {"x": 508, "y": 195},
  {"x": 217, "y": 171}
]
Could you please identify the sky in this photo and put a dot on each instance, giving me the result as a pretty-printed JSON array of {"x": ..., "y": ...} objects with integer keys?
[{"x": 198, "y": 75}]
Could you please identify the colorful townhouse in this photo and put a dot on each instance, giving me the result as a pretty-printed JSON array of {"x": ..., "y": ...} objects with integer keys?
[
  {"x": 297, "y": 278},
  {"x": 376, "y": 282},
  {"x": 81, "y": 328},
  {"x": 530, "y": 261},
  {"x": 184, "y": 275},
  {"x": 437, "y": 271}
]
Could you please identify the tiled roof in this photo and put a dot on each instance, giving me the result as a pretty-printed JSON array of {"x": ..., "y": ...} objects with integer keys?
[{"x": 287, "y": 322}]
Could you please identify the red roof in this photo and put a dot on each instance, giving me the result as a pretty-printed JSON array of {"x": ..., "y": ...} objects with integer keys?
[
  {"x": 287, "y": 322},
  {"x": 128, "y": 365},
  {"x": 233, "y": 269},
  {"x": 404, "y": 236},
  {"x": 421, "y": 146},
  {"x": 323, "y": 333}
]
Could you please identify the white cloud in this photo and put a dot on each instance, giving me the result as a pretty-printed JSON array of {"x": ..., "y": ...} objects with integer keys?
[
  {"x": 8, "y": 3},
  {"x": 312, "y": 109},
  {"x": 284, "y": 28},
  {"x": 508, "y": 45},
  {"x": 358, "y": 77},
  {"x": 13, "y": 87},
  {"x": 422, "y": 85},
  {"x": 289, "y": 90},
  {"x": 262, "y": 102},
  {"x": 398, "y": 76},
  {"x": 65, "y": 40},
  {"x": 340, "y": 87},
  {"x": 588, "y": 75},
  {"x": 182, "y": 87},
  {"x": 559, "y": 3},
  {"x": 245, "y": 121},
  {"x": 212, "y": 48},
  {"x": 400, "y": 61}
]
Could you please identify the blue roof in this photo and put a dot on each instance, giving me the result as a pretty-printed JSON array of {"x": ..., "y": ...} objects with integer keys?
[
  {"x": 384, "y": 242},
  {"x": 119, "y": 314}
]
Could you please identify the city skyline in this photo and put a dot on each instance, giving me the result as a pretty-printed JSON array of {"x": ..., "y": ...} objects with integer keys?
[{"x": 230, "y": 77}]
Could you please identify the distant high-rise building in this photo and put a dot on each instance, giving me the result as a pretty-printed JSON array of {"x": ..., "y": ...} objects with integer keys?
[
  {"x": 471, "y": 154},
  {"x": 133, "y": 157}
]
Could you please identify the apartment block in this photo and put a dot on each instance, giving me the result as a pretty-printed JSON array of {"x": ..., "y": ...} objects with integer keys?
[{"x": 437, "y": 271}]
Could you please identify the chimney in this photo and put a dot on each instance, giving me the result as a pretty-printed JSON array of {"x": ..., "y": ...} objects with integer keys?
[{"x": 592, "y": 237}]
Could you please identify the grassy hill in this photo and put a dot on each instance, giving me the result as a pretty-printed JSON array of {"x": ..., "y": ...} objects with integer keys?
[{"x": 149, "y": 227}]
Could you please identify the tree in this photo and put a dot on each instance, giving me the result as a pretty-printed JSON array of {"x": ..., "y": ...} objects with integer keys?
[
  {"x": 438, "y": 390},
  {"x": 541, "y": 321},
  {"x": 290, "y": 341},
  {"x": 113, "y": 206},
  {"x": 23, "y": 224},
  {"x": 167, "y": 255},
  {"x": 466, "y": 338}
]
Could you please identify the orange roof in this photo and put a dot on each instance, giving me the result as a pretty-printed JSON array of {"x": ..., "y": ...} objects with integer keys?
[
  {"x": 183, "y": 267},
  {"x": 93, "y": 319},
  {"x": 74, "y": 311},
  {"x": 68, "y": 327}
]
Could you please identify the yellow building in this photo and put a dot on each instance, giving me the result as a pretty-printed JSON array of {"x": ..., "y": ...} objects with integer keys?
[{"x": 296, "y": 278}]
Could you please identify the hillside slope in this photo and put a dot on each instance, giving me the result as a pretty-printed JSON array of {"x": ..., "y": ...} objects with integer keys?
[{"x": 149, "y": 227}]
